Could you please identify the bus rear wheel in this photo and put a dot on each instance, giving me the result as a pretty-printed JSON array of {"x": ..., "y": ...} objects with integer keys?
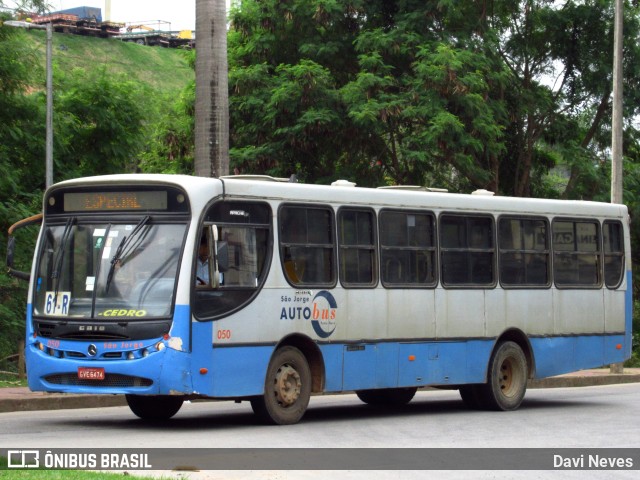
[
  {"x": 507, "y": 382},
  {"x": 287, "y": 388},
  {"x": 395, "y": 397},
  {"x": 154, "y": 407}
]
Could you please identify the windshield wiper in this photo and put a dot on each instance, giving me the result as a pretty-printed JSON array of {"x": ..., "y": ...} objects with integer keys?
[
  {"x": 59, "y": 259},
  {"x": 120, "y": 251}
]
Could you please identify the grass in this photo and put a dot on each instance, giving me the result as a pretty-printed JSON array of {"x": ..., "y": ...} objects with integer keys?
[
  {"x": 11, "y": 381},
  {"x": 164, "y": 69},
  {"x": 66, "y": 475}
]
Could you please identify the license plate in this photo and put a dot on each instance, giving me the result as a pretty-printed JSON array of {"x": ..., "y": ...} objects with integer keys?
[{"x": 90, "y": 373}]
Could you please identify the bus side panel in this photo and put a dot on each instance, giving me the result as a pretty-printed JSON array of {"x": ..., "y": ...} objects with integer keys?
[
  {"x": 460, "y": 313},
  {"x": 239, "y": 371},
  {"x": 554, "y": 355},
  {"x": 615, "y": 307},
  {"x": 578, "y": 311},
  {"x": 558, "y": 355},
  {"x": 333, "y": 361},
  {"x": 370, "y": 366},
  {"x": 529, "y": 310},
  {"x": 614, "y": 349},
  {"x": 628, "y": 313},
  {"x": 179, "y": 334},
  {"x": 202, "y": 353},
  {"x": 444, "y": 363},
  {"x": 478, "y": 355}
]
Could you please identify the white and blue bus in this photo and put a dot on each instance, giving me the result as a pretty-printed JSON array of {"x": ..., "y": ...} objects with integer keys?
[{"x": 168, "y": 288}]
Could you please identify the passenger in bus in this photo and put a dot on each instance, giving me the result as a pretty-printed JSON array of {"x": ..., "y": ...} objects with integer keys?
[{"x": 202, "y": 269}]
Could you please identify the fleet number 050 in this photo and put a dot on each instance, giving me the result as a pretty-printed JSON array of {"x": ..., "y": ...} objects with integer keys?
[{"x": 224, "y": 334}]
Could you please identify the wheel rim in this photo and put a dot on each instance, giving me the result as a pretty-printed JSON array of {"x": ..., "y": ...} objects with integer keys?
[
  {"x": 287, "y": 385},
  {"x": 509, "y": 379}
]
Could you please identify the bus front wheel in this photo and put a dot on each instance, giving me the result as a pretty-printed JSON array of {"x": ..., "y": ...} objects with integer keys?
[
  {"x": 154, "y": 407},
  {"x": 287, "y": 388},
  {"x": 507, "y": 380}
]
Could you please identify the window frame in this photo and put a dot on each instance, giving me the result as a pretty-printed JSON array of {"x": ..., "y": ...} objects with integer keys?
[
  {"x": 598, "y": 252},
  {"x": 621, "y": 254},
  {"x": 548, "y": 251},
  {"x": 372, "y": 248},
  {"x": 432, "y": 249},
  {"x": 247, "y": 294},
  {"x": 443, "y": 249},
  {"x": 282, "y": 245}
]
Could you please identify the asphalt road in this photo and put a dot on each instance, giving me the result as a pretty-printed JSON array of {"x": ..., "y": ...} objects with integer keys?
[{"x": 580, "y": 418}]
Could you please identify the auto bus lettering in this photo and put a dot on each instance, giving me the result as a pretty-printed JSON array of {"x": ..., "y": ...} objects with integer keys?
[
  {"x": 324, "y": 314},
  {"x": 322, "y": 311}
]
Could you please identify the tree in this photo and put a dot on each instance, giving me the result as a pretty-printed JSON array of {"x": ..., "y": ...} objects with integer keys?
[
  {"x": 100, "y": 123},
  {"x": 38, "y": 6},
  {"x": 212, "y": 108},
  {"x": 171, "y": 147},
  {"x": 466, "y": 95},
  {"x": 21, "y": 140},
  {"x": 399, "y": 96}
]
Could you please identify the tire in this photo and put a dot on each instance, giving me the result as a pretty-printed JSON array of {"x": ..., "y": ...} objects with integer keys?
[
  {"x": 287, "y": 388},
  {"x": 154, "y": 407},
  {"x": 392, "y": 397},
  {"x": 371, "y": 397},
  {"x": 507, "y": 379},
  {"x": 469, "y": 395}
]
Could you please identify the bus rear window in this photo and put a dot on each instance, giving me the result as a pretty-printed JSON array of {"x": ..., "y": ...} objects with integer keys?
[{"x": 613, "y": 254}]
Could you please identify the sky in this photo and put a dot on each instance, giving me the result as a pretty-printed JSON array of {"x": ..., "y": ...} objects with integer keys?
[{"x": 180, "y": 13}]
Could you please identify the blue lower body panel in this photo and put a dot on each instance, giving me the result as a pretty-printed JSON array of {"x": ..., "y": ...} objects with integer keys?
[
  {"x": 395, "y": 365},
  {"x": 558, "y": 355}
]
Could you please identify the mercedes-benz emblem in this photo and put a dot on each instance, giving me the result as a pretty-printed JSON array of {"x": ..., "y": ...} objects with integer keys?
[{"x": 92, "y": 350}]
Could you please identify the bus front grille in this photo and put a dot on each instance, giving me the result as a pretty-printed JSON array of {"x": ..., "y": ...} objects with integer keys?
[{"x": 113, "y": 380}]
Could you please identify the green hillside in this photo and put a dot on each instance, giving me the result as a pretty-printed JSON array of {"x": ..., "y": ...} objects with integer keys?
[{"x": 165, "y": 70}]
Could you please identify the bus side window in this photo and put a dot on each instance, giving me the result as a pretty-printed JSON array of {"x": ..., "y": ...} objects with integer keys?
[
  {"x": 307, "y": 245},
  {"x": 358, "y": 246},
  {"x": 524, "y": 252},
  {"x": 240, "y": 243},
  {"x": 203, "y": 262},
  {"x": 407, "y": 248},
  {"x": 467, "y": 250},
  {"x": 576, "y": 253}
]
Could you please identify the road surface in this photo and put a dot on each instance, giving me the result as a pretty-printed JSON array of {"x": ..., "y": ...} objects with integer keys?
[{"x": 579, "y": 418}]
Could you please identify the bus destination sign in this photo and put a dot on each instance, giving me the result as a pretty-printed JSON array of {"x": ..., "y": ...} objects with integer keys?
[{"x": 115, "y": 201}]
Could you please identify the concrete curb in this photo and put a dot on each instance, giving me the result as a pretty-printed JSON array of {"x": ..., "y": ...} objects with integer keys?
[
  {"x": 30, "y": 401},
  {"x": 21, "y": 399},
  {"x": 587, "y": 378}
]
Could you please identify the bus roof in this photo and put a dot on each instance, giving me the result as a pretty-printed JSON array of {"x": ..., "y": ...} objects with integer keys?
[{"x": 344, "y": 193}]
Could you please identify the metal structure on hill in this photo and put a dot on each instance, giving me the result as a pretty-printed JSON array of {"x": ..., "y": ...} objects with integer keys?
[{"x": 88, "y": 21}]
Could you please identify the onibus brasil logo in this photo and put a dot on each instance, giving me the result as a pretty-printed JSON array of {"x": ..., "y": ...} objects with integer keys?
[{"x": 321, "y": 310}]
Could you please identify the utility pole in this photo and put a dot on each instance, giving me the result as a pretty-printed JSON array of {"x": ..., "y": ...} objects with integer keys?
[
  {"x": 49, "y": 86},
  {"x": 616, "y": 124},
  {"x": 49, "y": 120},
  {"x": 212, "y": 95}
]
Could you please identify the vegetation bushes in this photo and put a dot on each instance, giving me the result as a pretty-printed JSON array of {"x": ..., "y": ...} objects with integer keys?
[{"x": 513, "y": 97}]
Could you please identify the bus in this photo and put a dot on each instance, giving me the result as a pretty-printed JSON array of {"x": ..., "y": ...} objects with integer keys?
[{"x": 168, "y": 288}]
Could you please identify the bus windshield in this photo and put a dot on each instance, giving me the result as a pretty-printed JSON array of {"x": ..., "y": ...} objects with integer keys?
[{"x": 106, "y": 270}]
